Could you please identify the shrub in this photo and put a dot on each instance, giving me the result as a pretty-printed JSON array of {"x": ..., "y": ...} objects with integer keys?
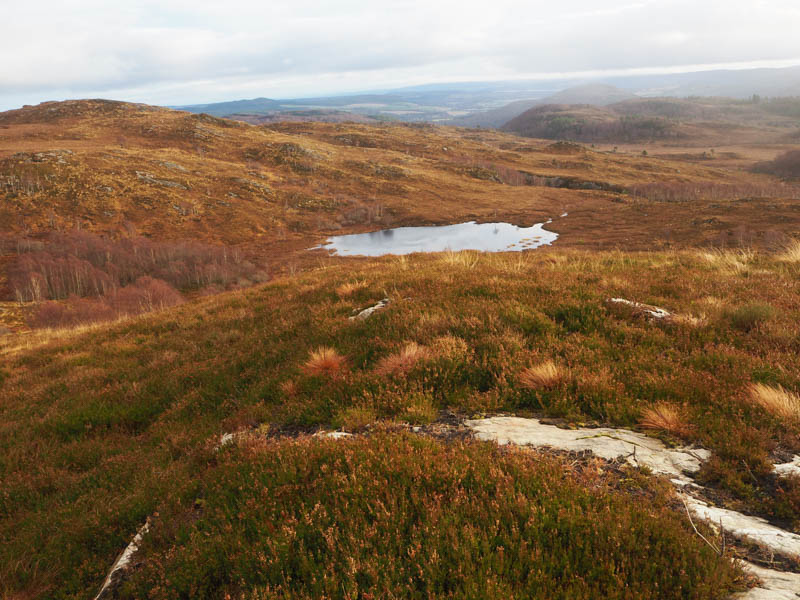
[
  {"x": 784, "y": 165},
  {"x": 749, "y": 316},
  {"x": 394, "y": 516}
]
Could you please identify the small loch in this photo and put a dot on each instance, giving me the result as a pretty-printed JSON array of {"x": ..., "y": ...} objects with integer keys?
[{"x": 486, "y": 237}]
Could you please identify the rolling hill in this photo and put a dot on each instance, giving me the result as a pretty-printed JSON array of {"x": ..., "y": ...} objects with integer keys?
[{"x": 263, "y": 420}]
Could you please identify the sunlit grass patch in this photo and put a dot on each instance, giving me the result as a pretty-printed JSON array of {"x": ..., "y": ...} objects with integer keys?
[
  {"x": 665, "y": 417},
  {"x": 544, "y": 375},
  {"x": 791, "y": 253},
  {"x": 402, "y": 361},
  {"x": 733, "y": 261},
  {"x": 355, "y": 418},
  {"x": 776, "y": 401},
  {"x": 466, "y": 259},
  {"x": 325, "y": 362},
  {"x": 347, "y": 289},
  {"x": 419, "y": 410}
]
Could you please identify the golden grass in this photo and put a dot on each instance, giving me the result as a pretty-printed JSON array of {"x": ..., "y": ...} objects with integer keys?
[
  {"x": 466, "y": 259},
  {"x": 403, "y": 361},
  {"x": 735, "y": 261},
  {"x": 11, "y": 345},
  {"x": 325, "y": 362},
  {"x": 347, "y": 289},
  {"x": 776, "y": 400},
  {"x": 543, "y": 375},
  {"x": 791, "y": 253},
  {"x": 664, "y": 417}
]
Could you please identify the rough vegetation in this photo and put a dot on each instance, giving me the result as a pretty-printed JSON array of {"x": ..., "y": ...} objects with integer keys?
[
  {"x": 202, "y": 417},
  {"x": 104, "y": 428}
]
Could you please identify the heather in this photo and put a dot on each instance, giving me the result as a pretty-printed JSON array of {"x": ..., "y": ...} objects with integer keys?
[
  {"x": 105, "y": 426},
  {"x": 397, "y": 516}
]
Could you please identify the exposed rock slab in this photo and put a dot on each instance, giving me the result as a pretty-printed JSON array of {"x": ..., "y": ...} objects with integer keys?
[
  {"x": 789, "y": 469},
  {"x": 368, "y": 312},
  {"x": 636, "y": 448},
  {"x": 646, "y": 310},
  {"x": 748, "y": 528},
  {"x": 775, "y": 585}
]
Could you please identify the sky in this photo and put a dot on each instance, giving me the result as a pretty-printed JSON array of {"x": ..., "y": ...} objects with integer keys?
[{"x": 188, "y": 52}]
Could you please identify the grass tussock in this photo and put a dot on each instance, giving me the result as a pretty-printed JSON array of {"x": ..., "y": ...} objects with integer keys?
[
  {"x": 325, "y": 362},
  {"x": 543, "y": 375},
  {"x": 791, "y": 253},
  {"x": 403, "y": 361},
  {"x": 465, "y": 259},
  {"x": 348, "y": 289},
  {"x": 749, "y": 316},
  {"x": 734, "y": 261},
  {"x": 664, "y": 417},
  {"x": 776, "y": 401}
]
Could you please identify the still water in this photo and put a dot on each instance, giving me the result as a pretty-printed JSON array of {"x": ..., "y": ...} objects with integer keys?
[{"x": 488, "y": 237}]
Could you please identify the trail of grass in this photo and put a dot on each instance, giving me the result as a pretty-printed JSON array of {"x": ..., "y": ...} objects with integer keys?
[{"x": 101, "y": 429}]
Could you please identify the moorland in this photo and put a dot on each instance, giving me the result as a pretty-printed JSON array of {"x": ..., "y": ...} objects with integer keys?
[{"x": 174, "y": 354}]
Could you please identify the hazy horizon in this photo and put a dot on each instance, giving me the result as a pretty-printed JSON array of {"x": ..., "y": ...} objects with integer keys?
[{"x": 175, "y": 52}]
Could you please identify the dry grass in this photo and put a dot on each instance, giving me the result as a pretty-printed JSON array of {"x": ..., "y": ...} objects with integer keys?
[
  {"x": 325, "y": 362},
  {"x": 734, "y": 261},
  {"x": 544, "y": 375},
  {"x": 466, "y": 259},
  {"x": 776, "y": 400},
  {"x": 791, "y": 253},
  {"x": 664, "y": 417},
  {"x": 347, "y": 289},
  {"x": 403, "y": 361}
]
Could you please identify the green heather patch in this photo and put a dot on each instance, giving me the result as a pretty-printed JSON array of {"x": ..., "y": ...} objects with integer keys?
[
  {"x": 100, "y": 429},
  {"x": 403, "y": 517}
]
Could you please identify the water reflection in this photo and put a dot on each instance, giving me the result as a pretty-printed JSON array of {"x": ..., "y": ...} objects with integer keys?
[{"x": 488, "y": 237}]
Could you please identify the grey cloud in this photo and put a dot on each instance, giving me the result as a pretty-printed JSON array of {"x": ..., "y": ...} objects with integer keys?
[{"x": 203, "y": 47}]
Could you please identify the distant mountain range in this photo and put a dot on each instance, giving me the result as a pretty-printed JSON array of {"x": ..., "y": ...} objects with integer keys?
[{"x": 492, "y": 104}]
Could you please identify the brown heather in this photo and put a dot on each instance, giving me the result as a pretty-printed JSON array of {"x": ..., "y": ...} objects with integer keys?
[{"x": 98, "y": 431}]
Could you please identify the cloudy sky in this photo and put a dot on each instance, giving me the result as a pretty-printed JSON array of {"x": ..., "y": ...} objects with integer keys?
[{"x": 194, "y": 51}]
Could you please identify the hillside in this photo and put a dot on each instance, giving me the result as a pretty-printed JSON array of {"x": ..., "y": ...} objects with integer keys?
[
  {"x": 225, "y": 204},
  {"x": 710, "y": 122},
  {"x": 105, "y": 428},
  {"x": 188, "y": 387}
]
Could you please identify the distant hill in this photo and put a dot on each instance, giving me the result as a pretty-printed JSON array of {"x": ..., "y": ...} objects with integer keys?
[
  {"x": 496, "y": 117},
  {"x": 222, "y": 109},
  {"x": 596, "y": 94},
  {"x": 707, "y": 121}
]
